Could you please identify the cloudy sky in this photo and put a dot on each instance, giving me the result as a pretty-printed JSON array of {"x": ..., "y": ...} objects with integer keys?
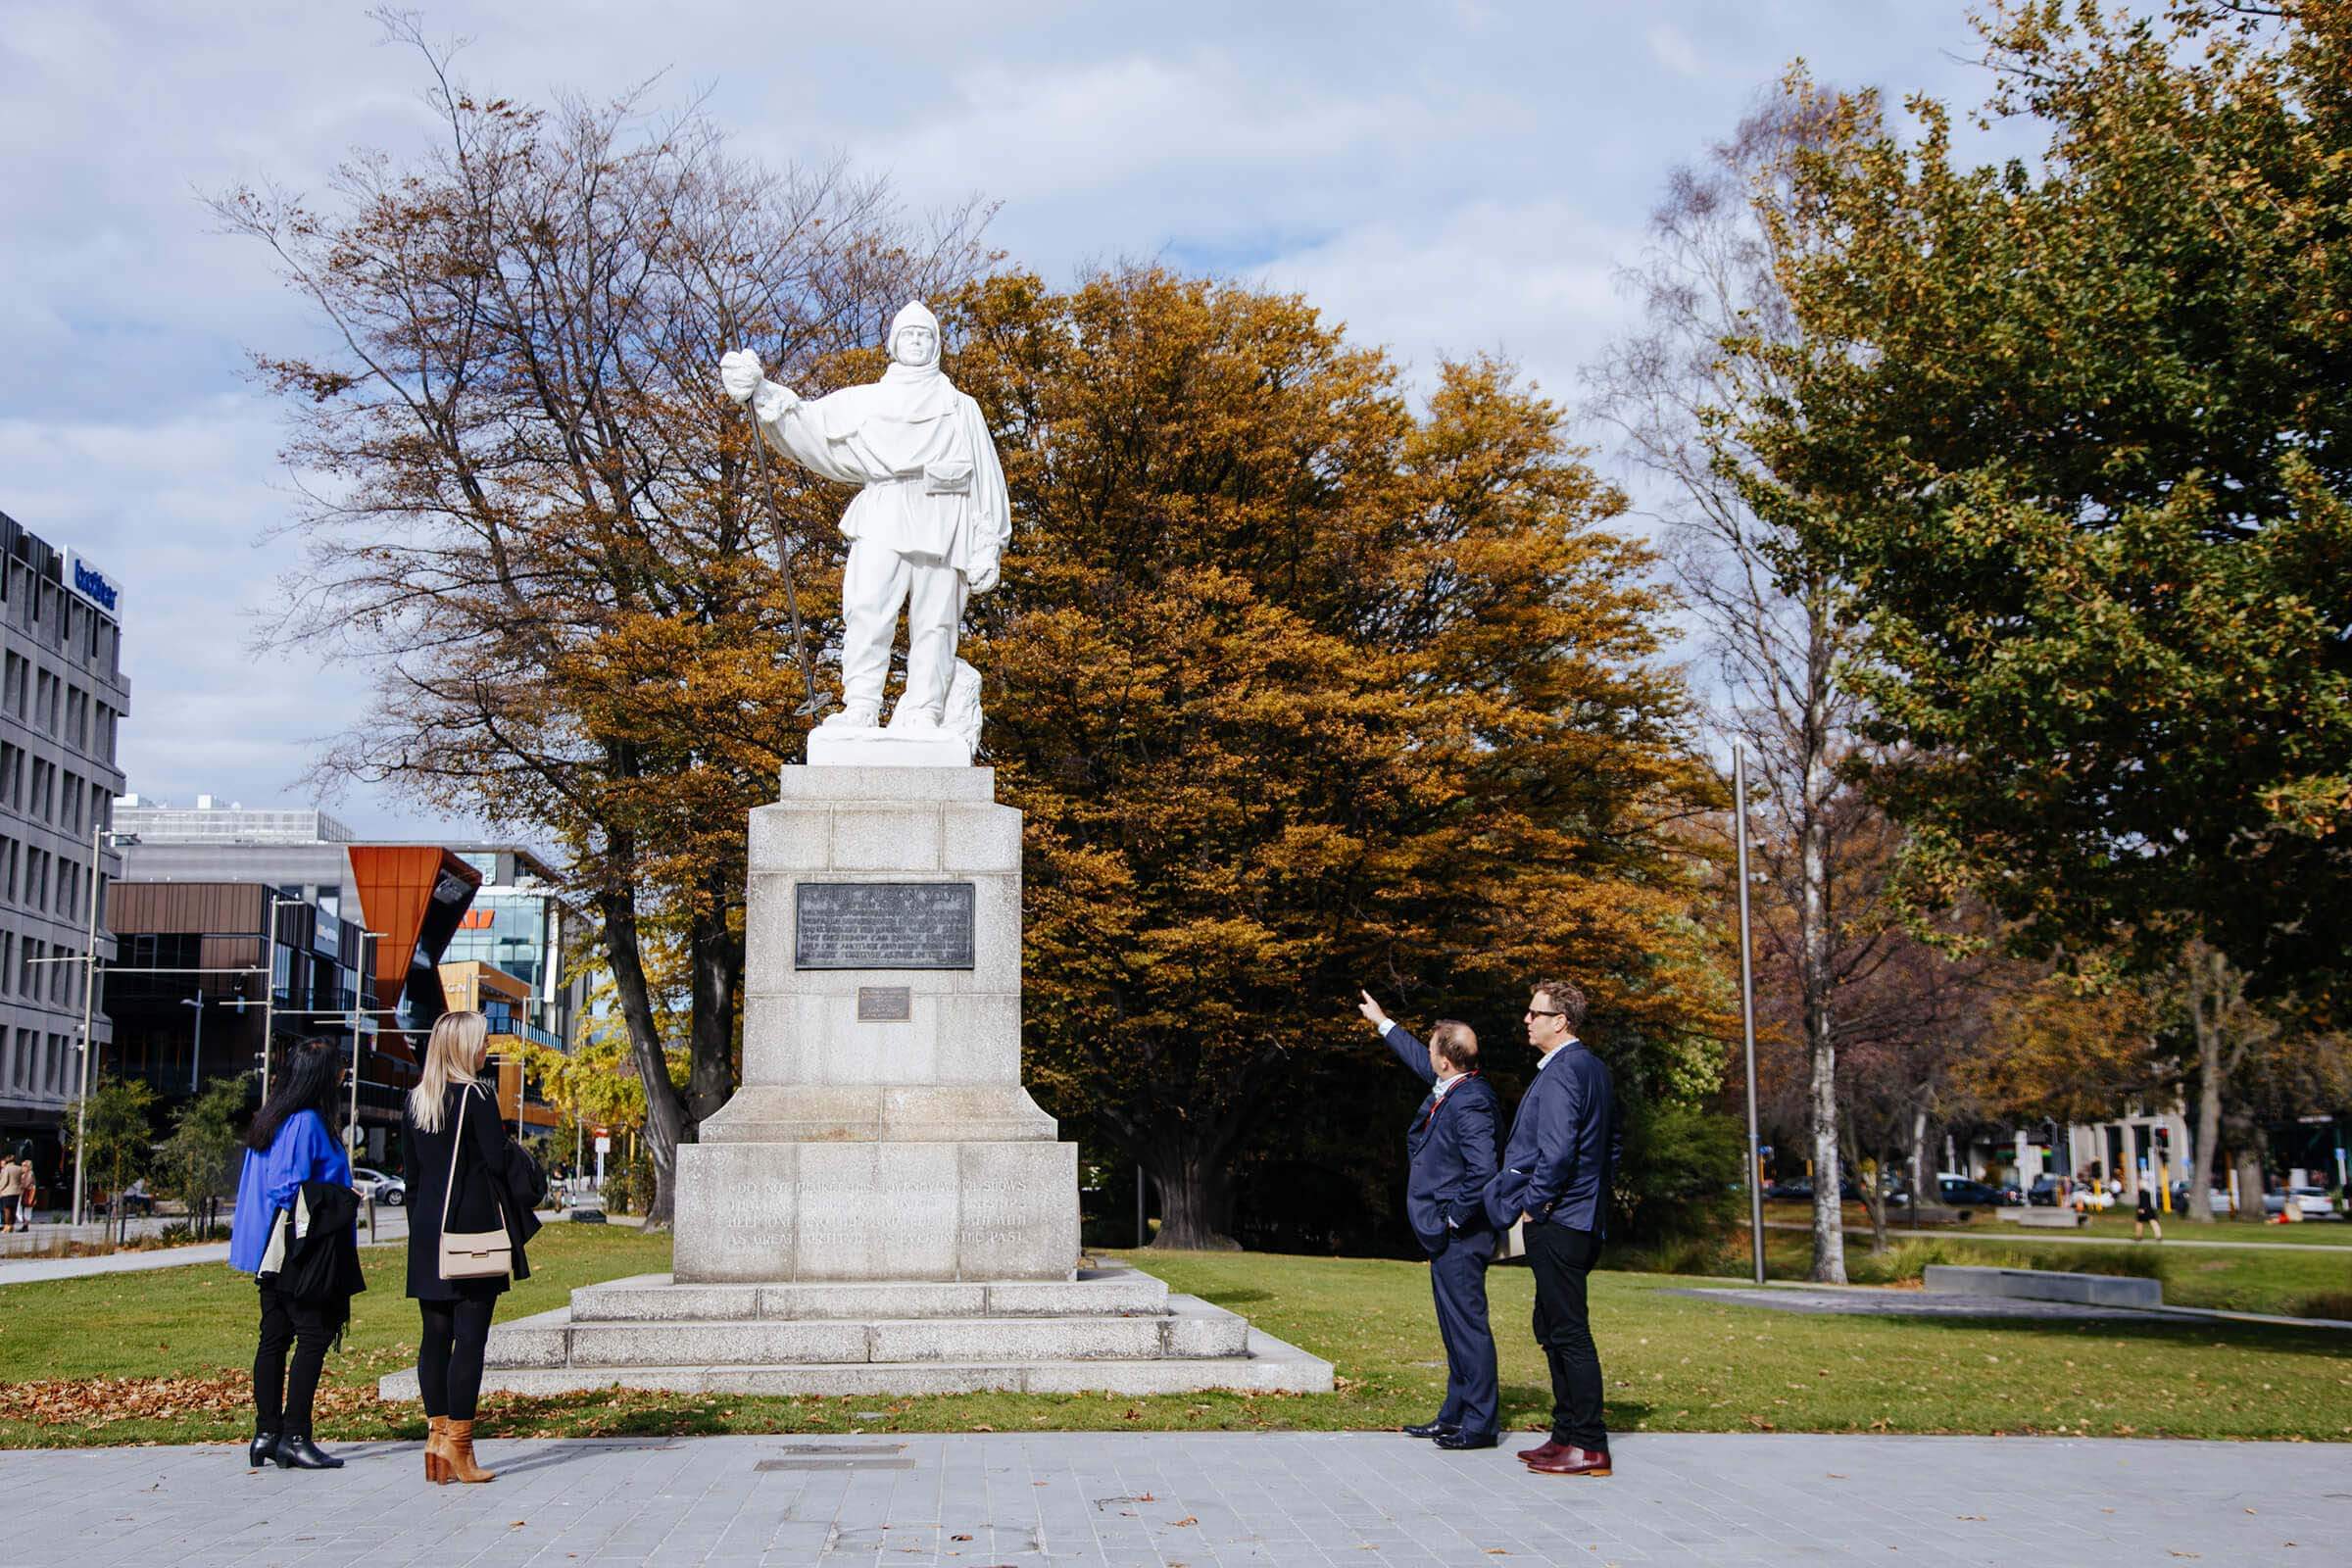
[{"x": 1444, "y": 175}]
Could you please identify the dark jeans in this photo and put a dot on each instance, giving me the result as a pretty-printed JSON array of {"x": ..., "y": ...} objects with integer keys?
[
  {"x": 449, "y": 1358},
  {"x": 1561, "y": 1258},
  {"x": 281, "y": 1398}
]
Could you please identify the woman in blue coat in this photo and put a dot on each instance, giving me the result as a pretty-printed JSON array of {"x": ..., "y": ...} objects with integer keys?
[{"x": 292, "y": 1139}]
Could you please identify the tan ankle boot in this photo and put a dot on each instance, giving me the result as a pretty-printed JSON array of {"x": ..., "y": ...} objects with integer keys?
[
  {"x": 436, "y": 1450},
  {"x": 460, "y": 1448}
]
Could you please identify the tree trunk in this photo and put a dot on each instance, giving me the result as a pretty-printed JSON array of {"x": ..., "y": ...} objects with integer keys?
[
  {"x": 1196, "y": 1195},
  {"x": 1922, "y": 1191},
  {"x": 2247, "y": 1152},
  {"x": 716, "y": 957},
  {"x": 666, "y": 1123},
  {"x": 2204, "y": 1007},
  {"x": 1813, "y": 915},
  {"x": 1874, "y": 1198}
]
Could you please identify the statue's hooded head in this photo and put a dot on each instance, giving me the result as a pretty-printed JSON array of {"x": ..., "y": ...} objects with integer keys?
[{"x": 913, "y": 342}]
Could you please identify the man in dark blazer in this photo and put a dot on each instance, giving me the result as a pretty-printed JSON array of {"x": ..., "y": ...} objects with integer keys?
[
  {"x": 1451, "y": 1146},
  {"x": 1556, "y": 1176}
]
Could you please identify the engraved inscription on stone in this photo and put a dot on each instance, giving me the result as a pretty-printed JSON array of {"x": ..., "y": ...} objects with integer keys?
[
  {"x": 883, "y": 925},
  {"x": 885, "y": 1003}
]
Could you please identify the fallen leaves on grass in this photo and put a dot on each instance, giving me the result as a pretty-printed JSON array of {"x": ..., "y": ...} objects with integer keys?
[{"x": 103, "y": 1401}]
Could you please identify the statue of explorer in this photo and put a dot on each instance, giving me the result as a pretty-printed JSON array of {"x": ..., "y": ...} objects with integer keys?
[{"x": 928, "y": 527}]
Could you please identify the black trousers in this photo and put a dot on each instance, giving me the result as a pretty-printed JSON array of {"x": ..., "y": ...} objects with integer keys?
[
  {"x": 282, "y": 1395},
  {"x": 1457, "y": 1280},
  {"x": 1561, "y": 1259},
  {"x": 449, "y": 1358}
]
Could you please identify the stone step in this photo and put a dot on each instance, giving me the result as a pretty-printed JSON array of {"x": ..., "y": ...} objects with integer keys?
[
  {"x": 658, "y": 1298},
  {"x": 1269, "y": 1366},
  {"x": 767, "y": 1342},
  {"x": 1188, "y": 1327}
]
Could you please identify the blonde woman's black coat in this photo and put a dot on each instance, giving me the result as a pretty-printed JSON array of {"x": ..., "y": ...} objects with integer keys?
[{"x": 493, "y": 1188}]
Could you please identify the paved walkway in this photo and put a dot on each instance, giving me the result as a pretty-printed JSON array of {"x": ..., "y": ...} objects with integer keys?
[
  {"x": 1202, "y": 1500},
  {"x": 2028, "y": 1233},
  {"x": 391, "y": 1225}
]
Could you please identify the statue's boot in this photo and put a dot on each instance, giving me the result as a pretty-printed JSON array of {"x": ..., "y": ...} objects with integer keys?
[{"x": 856, "y": 715}]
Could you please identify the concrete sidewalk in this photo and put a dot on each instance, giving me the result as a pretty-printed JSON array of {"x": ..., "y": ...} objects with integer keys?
[
  {"x": 1291, "y": 1499},
  {"x": 1958, "y": 1233}
]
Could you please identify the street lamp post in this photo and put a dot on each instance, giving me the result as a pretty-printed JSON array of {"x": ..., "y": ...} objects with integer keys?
[
  {"x": 99, "y": 833},
  {"x": 270, "y": 988},
  {"x": 1747, "y": 1019},
  {"x": 358, "y": 993},
  {"x": 196, "y": 1050}
]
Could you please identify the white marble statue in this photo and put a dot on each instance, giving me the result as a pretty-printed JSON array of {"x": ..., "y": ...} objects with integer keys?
[{"x": 928, "y": 527}]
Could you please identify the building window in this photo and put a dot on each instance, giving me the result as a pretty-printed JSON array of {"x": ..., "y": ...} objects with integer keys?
[
  {"x": 8, "y": 961},
  {"x": 27, "y": 974},
  {"x": 8, "y": 867},
  {"x": 11, "y": 686},
  {"x": 44, "y": 791}
]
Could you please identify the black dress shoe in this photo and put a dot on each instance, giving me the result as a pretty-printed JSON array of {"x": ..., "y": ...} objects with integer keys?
[
  {"x": 261, "y": 1451},
  {"x": 1430, "y": 1429},
  {"x": 296, "y": 1452},
  {"x": 1458, "y": 1438}
]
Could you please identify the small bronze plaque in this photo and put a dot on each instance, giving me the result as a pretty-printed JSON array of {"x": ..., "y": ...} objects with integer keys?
[
  {"x": 885, "y": 1003},
  {"x": 883, "y": 925}
]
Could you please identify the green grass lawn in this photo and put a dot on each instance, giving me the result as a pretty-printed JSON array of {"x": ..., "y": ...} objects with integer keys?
[{"x": 1674, "y": 1364}]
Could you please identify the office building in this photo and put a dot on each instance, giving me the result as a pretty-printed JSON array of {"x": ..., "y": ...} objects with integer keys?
[{"x": 63, "y": 698}]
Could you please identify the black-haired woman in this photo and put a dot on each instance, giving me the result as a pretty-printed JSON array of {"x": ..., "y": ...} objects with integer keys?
[{"x": 292, "y": 1141}]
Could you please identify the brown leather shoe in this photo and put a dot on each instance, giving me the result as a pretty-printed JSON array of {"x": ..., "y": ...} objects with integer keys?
[
  {"x": 436, "y": 1450},
  {"x": 1573, "y": 1461},
  {"x": 1546, "y": 1450}
]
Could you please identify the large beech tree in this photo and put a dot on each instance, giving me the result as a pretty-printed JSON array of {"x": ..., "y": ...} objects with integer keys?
[{"x": 1299, "y": 687}]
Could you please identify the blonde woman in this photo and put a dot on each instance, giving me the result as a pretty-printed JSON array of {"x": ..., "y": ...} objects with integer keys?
[{"x": 460, "y": 1167}]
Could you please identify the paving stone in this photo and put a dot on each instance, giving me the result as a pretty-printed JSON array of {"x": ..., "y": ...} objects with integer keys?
[{"x": 1297, "y": 1499}]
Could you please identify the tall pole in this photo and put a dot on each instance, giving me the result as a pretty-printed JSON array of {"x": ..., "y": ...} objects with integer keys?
[
  {"x": 89, "y": 989},
  {"x": 196, "y": 1050},
  {"x": 270, "y": 988},
  {"x": 1747, "y": 1018},
  {"x": 359, "y": 993}
]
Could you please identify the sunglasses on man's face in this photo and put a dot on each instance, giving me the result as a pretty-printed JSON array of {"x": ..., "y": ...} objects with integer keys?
[{"x": 1538, "y": 1013}]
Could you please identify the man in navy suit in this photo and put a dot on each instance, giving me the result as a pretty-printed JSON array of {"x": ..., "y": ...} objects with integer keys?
[
  {"x": 1555, "y": 1177},
  {"x": 1451, "y": 1144}
]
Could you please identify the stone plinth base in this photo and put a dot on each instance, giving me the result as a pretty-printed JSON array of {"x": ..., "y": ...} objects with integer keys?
[
  {"x": 1112, "y": 1330},
  {"x": 792, "y": 1212}
]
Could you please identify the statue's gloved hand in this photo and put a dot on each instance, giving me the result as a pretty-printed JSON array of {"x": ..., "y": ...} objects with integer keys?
[
  {"x": 740, "y": 372},
  {"x": 982, "y": 576}
]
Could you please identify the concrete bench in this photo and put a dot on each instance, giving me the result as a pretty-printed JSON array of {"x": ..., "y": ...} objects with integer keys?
[
  {"x": 2048, "y": 1219},
  {"x": 2038, "y": 1284}
]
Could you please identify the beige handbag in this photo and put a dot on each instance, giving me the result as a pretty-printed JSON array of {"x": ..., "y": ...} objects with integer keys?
[{"x": 470, "y": 1255}]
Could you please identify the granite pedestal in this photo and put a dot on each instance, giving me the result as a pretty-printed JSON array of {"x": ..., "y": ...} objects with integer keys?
[{"x": 882, "y": 1208}]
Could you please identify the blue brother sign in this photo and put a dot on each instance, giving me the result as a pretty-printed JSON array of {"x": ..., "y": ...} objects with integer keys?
[{"x": 94, "y": 585}]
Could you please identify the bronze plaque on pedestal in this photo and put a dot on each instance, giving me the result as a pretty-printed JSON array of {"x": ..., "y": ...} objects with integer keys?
[{"x": 883, "y": 925}]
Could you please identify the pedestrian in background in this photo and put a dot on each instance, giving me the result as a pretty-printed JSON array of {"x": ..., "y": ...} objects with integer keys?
[
  {"x": 2145, "y": 1217},
  {"x": 470, "y": 1184},
  {"x": 12, "y": 1190},
  {"x": 292, "y": 1141}
]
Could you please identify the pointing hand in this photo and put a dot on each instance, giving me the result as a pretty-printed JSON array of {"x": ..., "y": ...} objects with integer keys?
[{"x": 1372, "y": 1010}]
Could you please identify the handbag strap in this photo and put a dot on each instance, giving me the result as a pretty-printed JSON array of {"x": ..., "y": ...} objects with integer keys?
[{"x": 456, "y": 1138}]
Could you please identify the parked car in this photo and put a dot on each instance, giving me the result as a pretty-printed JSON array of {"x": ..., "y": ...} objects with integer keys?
[
  {"x": 389, "y": 1190},
  {"x": 2310, "y": 1202},
  {"x": 2221, "y": 1198},
  {"x": 1958, "y": 1191}
]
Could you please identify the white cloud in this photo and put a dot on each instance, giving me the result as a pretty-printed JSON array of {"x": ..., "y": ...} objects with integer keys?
[{"x": 1671, "y": 48}]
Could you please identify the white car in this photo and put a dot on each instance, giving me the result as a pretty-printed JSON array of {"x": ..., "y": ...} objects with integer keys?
[
  {"x": 389, "y": 1190},
  {"x": 2310, "y": 1202}
]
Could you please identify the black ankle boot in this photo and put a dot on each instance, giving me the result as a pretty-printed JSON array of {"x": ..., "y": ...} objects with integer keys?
[
  {"x": 261, "y": 1451},
  {"x": 296, "y": 1452}
]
